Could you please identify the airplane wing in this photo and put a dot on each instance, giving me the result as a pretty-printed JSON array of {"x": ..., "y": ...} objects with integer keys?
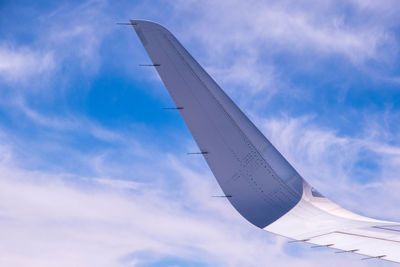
[{"x": 257, "y": 180}]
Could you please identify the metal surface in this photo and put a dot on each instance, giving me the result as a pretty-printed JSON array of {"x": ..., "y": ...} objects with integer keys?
[{"x": 261, "y": 182}]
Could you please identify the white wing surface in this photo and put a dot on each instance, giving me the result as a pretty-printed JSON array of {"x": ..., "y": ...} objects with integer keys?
[{"x": 258, "y": 181}]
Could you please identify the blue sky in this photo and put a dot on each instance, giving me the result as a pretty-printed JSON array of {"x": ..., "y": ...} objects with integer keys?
[{"x": 94, "y": 173}]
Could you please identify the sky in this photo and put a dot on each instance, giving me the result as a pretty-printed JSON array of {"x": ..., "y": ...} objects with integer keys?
[{"x": 93, "y": 172}]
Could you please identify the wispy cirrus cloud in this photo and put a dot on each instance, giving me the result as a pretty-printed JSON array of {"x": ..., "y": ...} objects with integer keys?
[
  {"x": 18, "y": 64},
  {"x": 64, "y": 40},
  {"x": 58, "y": 218},
  {"x": 315, "y": 29}
]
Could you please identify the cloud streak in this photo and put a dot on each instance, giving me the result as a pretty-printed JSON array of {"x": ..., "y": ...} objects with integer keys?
[
  {"x": 21, "y": 63},
  {"x": 49, "y": 218},
  {"x": 311, "y": 28}
]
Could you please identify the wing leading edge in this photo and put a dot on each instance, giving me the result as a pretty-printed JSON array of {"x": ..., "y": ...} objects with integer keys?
[{"x": 263, "y": 187}]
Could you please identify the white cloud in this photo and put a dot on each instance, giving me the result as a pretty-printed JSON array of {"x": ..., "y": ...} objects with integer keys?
[
  {"x": 313, "y": 28},
  {"x": 78, "y": 38},
  {"x": 17, "y": 64},
  {"x": 66, "y": 219},
  {"x": 63, "y": 42},
  {"x": 247, "y": 73},
  {"x": 66, "y": 123}
]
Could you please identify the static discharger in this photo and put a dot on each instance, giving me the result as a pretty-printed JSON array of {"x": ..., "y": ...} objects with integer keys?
[
  {"x": 127, "y": 23},
  {"x": 222, "y": 196},
  {"x": 296, "y": 241},
  {"x": 377, "y": 257},
  {"x": 173, "y": 108},
  {"x": 347, "y": 251},
  {"x": 323, "y": 246},
  {"x": 198, "y": 153},
  {"x": 150, "y": 65}
]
